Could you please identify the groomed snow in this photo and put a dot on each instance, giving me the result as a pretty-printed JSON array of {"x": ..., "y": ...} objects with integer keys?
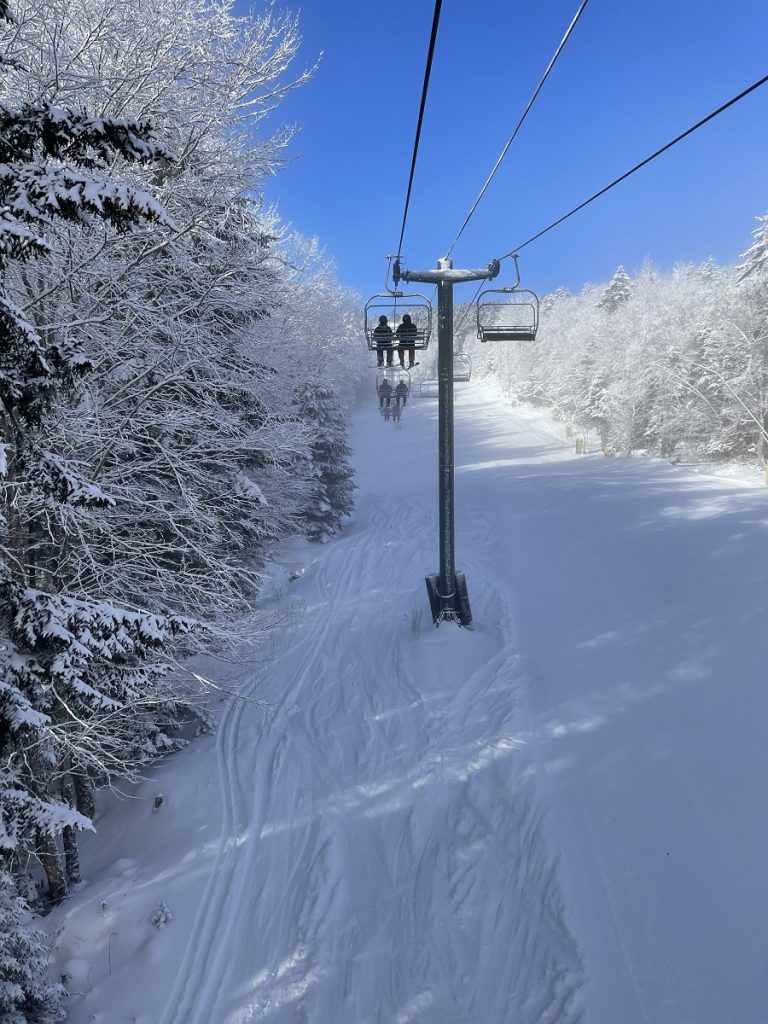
[{"x": 557, "y": 817}]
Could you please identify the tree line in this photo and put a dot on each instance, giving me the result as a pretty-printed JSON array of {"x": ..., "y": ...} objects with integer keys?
[
  {"x": 173, "y": 399},
  {"x": 672, "y": 364}
]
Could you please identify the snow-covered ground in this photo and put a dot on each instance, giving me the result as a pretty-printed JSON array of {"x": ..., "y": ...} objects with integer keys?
[{"x": 559, "y": 816}]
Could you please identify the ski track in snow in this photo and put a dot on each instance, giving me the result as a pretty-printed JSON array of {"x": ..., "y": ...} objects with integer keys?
[
  {"x": 204, "y": 965},
  {"x": 381, "y": 857}
]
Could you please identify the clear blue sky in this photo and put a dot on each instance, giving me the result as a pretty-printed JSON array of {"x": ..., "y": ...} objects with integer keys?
[{"x": 634, "y": 74}]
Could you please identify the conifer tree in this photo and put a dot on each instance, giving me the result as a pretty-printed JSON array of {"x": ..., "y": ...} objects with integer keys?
[
  {"x": 618, "y": 291},
  {"x": 754, "y": 281},
  {"x": 755, "y": 265},
  {"x": 331, "y": 487},
  {"x": 26, "y": 996},
  {"x": 66, "y": 662},
  {"x": 187, "y": 421}
]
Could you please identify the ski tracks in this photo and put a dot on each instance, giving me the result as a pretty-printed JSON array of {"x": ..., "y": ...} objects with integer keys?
[
  {"x": 197, "y": 989},
  {"x": 380, "y": 858},
  {"x": 215, "y": 905}
]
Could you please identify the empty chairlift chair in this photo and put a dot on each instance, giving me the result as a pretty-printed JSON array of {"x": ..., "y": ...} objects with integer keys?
[
  {"x": 508, "y": 314},
  {"x": 516, "y": 319},
  {"x": 462, "y": 368}
]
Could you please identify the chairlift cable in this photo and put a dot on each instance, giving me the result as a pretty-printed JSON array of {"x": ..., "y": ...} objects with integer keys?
[
  {"x": 623, "y": 177},
  {"x": 643, "y": 163},
  {"x": 424, "y": 89},
  {"x": 519, "y": 124}
]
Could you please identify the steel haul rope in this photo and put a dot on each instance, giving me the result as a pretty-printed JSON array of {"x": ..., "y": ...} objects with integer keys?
[{"x": 424, "y": 89}]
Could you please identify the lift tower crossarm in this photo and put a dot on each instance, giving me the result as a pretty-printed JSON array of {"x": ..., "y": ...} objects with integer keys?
[
  {"x": 447, "y": 591},
  {"x": 446, "y": 274}
]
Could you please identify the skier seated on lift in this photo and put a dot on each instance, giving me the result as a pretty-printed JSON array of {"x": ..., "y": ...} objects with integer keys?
[
  {"x": 384, "y": 339},
  {"x": 385, "y": 394},
  {"x": 401, "y": 393},
  {"x": 406, "y": 336},
  {"x": 397, "y": 412}
]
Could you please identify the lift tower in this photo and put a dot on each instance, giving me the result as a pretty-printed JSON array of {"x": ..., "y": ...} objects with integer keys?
[{"x": 447, "y": 590}]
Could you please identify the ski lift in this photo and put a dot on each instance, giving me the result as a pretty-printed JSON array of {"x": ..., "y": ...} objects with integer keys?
[
  {"x": 462, "y": 368},
  {"x": 394, "y": 376},
  {"x": 394, "y": 305},
  {"x": 513, "y": 319},
  {"x": 393, "y": 386},
  {"x": 429, "y": 389}
]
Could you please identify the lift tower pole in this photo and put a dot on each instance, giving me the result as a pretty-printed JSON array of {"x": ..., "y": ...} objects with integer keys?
[{"x": 447, "y": 591}]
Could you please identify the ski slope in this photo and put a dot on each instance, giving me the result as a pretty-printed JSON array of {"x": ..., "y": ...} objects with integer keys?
[{"x": 556, "y": 817}]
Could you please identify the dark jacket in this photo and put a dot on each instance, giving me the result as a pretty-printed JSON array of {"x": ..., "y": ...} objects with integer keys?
[
  {"x": 382, "y": 335},
  {"x": 406, "y": 334}
]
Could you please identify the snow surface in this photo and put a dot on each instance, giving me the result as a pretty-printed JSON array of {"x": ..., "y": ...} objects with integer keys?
[{"x": 557, "y": 817}]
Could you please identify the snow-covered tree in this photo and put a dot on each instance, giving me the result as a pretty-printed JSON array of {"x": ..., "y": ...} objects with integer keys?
[
  {"x": 618, "y": 291},
  {"x": 163, "y": 324},
  {"x": 674, "y": 362},
  {"x": 188, "y": 419},
  {"x": 753, "y": 288},
  {"x": 332, "y": 487},
  {"x": 755, "y": 263},
  {"x": 62, "y": 660},
  {"x": 26, "y": 995}
]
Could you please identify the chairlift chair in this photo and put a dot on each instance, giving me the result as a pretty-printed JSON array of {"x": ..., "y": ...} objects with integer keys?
[
  {"x": 393, "y": 305},
  {"x": 515, "y": 318},
  {"x": 429, "y": 389},
  {"x": 398, "y": 392},
  {"x": 462, "y": 368},
  {"x": 394, "y": 375}
]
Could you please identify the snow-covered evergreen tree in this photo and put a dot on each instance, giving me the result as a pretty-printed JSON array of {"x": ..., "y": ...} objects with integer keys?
[
  {"x": 63, "y": 660},
  {"x": 26, "y": 995},
  {"x": 151, "y": 444},
  {"x": 187, "y": 421},
  {"x": 755, "y": 263},
  {"x": 331, "y": 492},
  {"x": 618, "y": 291},
  {"x": 669, "y": 362}
]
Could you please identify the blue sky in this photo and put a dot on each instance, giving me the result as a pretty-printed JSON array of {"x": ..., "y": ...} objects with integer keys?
[{"x": 634, "y": 74}]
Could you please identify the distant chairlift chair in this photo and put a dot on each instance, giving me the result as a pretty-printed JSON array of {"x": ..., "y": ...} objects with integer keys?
[
  {"x": 462, "y": 368},
  {"x": 390, "y": 381},
  {"x": 394, "y": 375}
]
